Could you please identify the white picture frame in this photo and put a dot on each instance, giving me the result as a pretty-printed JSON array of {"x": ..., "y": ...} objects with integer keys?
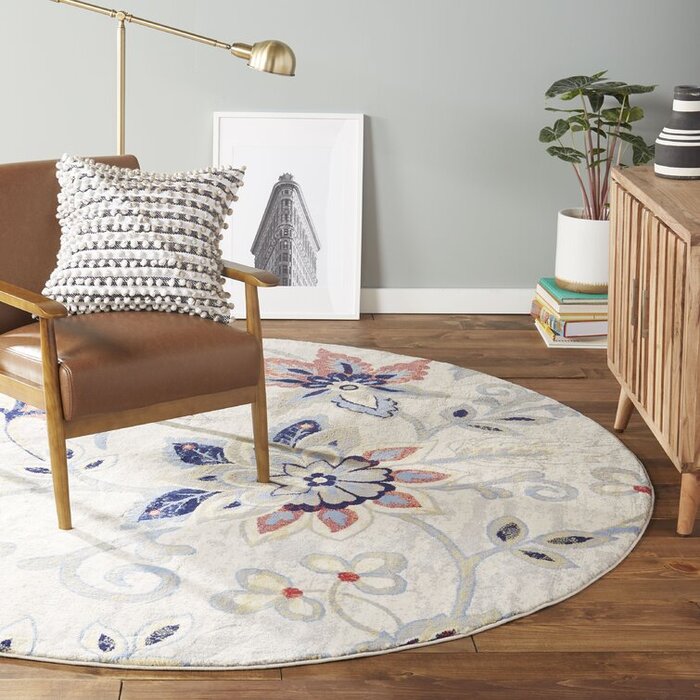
[{"x": 307, "y": 229}]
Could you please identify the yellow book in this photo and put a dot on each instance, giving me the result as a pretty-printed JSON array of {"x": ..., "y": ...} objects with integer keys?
[
  {"x": 569, "y": 316},
  {"x": 552, "y": 340}
]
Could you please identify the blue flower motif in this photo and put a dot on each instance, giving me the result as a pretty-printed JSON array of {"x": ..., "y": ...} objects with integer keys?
[{"x": 321, "y": 484}]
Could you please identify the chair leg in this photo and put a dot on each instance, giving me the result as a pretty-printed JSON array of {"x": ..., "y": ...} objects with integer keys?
[
  {"x": 260, "y": 434},
  {"x": 54, "y": 423},
  {"x": 59, "y": 468}
]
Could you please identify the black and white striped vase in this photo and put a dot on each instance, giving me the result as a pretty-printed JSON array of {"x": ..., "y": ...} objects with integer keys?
[{"x": 677, "y": 153}]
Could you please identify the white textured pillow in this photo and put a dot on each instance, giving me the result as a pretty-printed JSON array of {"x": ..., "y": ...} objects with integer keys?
[{"x": 138, "y": 241}]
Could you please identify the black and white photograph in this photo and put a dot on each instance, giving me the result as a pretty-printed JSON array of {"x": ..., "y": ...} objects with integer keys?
[{"x": 299, "y": 213}]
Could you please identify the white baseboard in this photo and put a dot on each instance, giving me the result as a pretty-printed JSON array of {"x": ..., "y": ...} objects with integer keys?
[{"x": 446, "y": 301}]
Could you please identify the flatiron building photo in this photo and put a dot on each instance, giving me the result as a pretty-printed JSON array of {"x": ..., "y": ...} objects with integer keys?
[{"x": 287, "y": 243}]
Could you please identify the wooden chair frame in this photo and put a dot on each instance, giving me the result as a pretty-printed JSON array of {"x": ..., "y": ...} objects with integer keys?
[{"x": 47, "y": 396}]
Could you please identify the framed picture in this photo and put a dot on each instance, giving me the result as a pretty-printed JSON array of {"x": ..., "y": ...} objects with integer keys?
[{"x": 299, "y": 214}]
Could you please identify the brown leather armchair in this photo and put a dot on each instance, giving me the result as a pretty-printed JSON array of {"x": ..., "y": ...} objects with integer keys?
[{"x": 103, "y": 371}]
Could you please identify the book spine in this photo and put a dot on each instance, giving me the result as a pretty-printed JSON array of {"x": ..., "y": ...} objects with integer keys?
[{"x": 538, "y": 311}]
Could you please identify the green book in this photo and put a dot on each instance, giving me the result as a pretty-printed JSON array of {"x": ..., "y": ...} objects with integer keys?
[{"x": 564, "y": 296}]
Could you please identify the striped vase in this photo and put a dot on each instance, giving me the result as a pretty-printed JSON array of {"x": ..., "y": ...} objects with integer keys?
[{"x": 677, "y": 152}]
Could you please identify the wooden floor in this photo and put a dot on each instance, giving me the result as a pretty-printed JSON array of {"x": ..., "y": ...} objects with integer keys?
[{"x": 633, "y": 634}]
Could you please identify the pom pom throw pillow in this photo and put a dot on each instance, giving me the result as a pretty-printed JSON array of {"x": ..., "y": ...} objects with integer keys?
[{"x": 138, "y": 241}]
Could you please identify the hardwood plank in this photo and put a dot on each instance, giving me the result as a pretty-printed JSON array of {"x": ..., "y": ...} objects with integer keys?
[
  {"x": 43, "y": 689},
  {"x": 619, "y": 624},
  {"x": 507, "y": 666},
  {"x": 592, "y": 688}
]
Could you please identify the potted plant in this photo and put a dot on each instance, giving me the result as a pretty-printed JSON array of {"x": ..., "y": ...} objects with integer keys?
[{"x": 592, "y": 136}]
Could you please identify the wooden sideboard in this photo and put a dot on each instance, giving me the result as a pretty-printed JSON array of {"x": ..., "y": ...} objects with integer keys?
[{"x": 654, "y": 316}]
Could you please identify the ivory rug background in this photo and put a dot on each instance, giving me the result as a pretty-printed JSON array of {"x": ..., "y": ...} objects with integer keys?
[{"x": 413, "y": 501}]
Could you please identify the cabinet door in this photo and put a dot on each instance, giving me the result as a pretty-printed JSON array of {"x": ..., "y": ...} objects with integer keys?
[
  {"x": 661, "y": 328},
  {"x": 648, "y": 263},
  {"x": 624, "y": 290}
]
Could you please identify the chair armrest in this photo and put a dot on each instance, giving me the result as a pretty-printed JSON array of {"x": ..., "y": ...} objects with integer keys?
[
  {"x": 31, "y": 302},
  {"x": 249, "y": 275}
]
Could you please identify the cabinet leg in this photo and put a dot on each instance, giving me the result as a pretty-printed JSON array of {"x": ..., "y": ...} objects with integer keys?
[
  {"x": 690, "y": 500},
  {"x": 624, "y": 411}
]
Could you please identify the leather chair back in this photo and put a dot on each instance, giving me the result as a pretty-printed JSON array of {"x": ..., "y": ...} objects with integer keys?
[{"x": 29, "y": 230}]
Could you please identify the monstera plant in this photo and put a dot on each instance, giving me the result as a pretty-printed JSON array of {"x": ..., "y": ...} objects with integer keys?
[{"x": 592, "y": 133}]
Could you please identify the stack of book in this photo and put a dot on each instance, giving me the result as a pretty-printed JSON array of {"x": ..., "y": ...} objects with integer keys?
[{"x": 567, "y": 319}]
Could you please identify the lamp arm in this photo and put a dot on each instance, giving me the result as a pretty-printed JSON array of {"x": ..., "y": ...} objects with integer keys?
[
  {"x": 133, "y": 19},
  {"x": 267, "y": 56}
]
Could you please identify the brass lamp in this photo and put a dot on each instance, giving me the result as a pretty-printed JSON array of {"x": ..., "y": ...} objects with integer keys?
[{"x": 267, "y": 56}]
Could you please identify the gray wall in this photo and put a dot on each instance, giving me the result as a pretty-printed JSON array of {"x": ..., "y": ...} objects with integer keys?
[{"x": 458, "y": 192}]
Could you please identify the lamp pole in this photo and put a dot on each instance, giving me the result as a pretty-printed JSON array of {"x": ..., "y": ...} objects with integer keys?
[
  {"x": 268, "y": 56},
  {"x": 121, "y": 85}
]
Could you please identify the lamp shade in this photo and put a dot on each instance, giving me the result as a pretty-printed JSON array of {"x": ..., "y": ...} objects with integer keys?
[{"x": 268, "y": 56}]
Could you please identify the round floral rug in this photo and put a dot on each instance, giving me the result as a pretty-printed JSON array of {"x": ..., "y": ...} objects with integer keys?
[{"x": 411, "y": 502}]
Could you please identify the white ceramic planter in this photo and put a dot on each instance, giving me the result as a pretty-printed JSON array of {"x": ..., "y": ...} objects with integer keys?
[{"x": 582, "y": 253}]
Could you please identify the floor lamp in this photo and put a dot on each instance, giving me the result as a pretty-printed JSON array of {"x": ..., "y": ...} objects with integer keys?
[{"x": 268, "y": 56}]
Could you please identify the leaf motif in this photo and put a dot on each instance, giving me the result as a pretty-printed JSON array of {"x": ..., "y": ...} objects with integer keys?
[
  {"x": 398, "y": 499},
  {"x": 102, "y": 642},
  {"x": 38, "y": 470},
  {"x": 417, "y": 476},
  {"x": 106, "y": 643},
  {"x": 160, "y": 634},
  {"x": 95, "y": 464},
  {"x": 389, "y": 454},
  {"x": 175, "y": 503},
  {"x": 549, "y": 560},
  {"x": 507, "y": 530},
  {"x": 295, "y": 433},
  {"x": 194, "y": 453},
  {"x": 573, "y": 539},
  {"x": 18, "y": 637}
]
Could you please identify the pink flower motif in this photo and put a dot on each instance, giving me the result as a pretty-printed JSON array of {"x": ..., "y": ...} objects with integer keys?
[
  {"x": 340, "y": 496},
  {"x": 351, "y": 380}
]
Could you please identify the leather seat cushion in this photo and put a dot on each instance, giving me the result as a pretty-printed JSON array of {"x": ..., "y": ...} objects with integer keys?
[{"x": 111, "y": 362}]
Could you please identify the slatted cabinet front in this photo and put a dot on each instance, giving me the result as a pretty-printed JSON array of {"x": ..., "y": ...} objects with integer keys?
[{"x": 646, "y": 314}]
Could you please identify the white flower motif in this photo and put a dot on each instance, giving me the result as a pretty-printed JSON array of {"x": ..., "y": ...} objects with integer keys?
[
  {"x": 260, "y": 589},
  {"x": 372, "y": 572}
]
